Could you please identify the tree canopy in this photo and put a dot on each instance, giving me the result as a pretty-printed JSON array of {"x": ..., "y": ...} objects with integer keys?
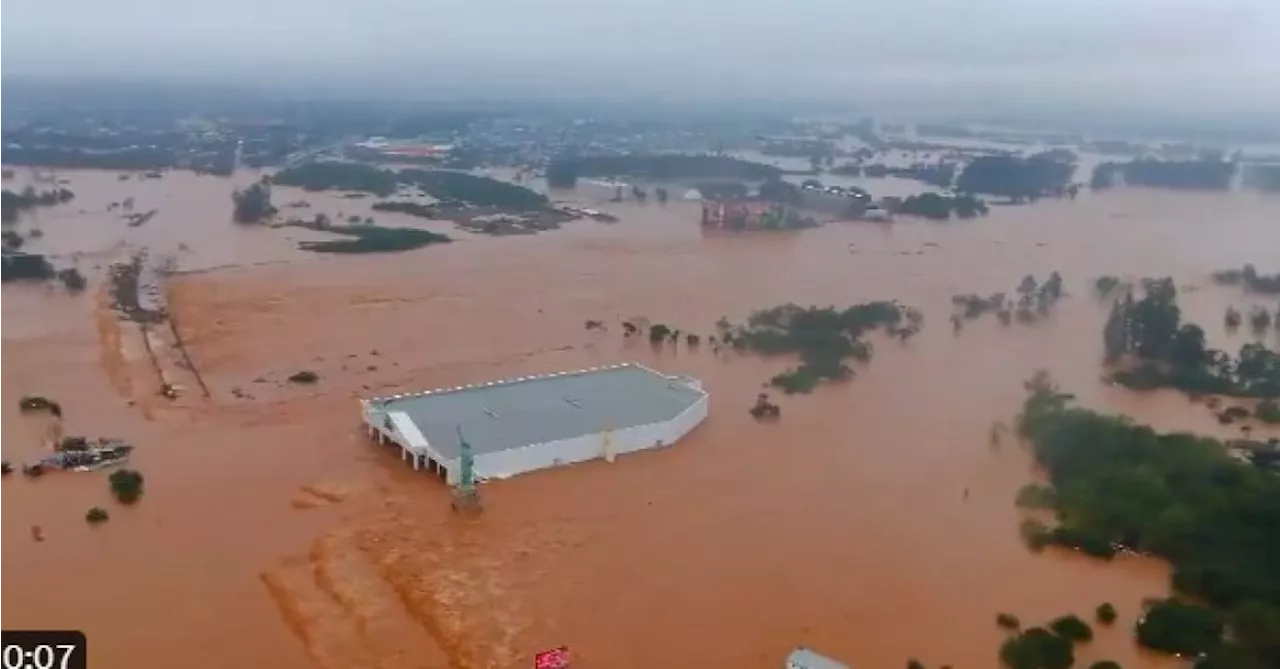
[
  {"x": 823, "y": 337},
  {"x": 1178, "y": 496},
  {"x": 1014, "y": 177},
  {"x": 252, "y": 204},
  {"x": 329, "y": 175},
  {"x": 1162, "y": 351},
  {"x": 1205, "y": 174}
]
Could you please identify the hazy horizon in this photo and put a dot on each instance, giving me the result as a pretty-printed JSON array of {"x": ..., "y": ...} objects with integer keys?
[{"x": 1180, "y": 56}]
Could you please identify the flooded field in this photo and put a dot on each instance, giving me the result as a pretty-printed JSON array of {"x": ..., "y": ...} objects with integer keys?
[{"x": 273, "y": 534}]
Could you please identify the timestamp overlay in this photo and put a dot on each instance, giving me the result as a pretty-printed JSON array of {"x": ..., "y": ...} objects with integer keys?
[{"x": 43, "y": 649}]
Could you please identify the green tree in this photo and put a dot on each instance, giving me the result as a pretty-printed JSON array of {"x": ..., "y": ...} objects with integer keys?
[
  {"x": 1073, "y": 628},
  {"x": 1177, "y": 627},
  {"x": 126, "y": 485},
  {"x": 1037, "y": 648},
  {"x": 1007, "y": 621},
  {"x": 252, "y": 204},
  {"x": 1105, "y": 613}
]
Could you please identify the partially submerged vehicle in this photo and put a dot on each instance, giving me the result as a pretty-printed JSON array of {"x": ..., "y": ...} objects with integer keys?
[
  {"x": 31, "y": 403},
  {"x": 90, "y": 459}
]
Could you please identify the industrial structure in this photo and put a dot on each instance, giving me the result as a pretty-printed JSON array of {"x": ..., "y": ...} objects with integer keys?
[
  {"x": 504, "y": 428},
  {"x": 746, "y": 214}
]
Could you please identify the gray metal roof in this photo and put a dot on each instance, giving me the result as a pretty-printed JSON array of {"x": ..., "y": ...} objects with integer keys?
[
  {"x": 803, "y": 658},
  {"x": 509, "y": 414}
]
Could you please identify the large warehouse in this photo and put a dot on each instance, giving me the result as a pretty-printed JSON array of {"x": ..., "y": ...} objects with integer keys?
[{"x": 530, "y": 423}]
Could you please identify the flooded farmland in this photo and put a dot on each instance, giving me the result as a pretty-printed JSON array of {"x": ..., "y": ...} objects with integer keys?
[{"x": 875, "y": 521}]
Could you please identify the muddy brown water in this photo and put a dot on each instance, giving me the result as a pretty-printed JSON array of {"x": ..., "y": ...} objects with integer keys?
[{"x": 273, "y": 534}]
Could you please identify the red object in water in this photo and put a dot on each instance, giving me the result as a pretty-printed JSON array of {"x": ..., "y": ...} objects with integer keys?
[{"x": 556, "y": 658}]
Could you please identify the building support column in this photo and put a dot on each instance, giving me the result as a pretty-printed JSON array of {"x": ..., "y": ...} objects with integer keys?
[{"x": 417, "y": 462}]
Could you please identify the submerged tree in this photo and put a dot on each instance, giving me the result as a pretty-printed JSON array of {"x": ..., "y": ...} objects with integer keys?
[{"x": 252, "y": 204}]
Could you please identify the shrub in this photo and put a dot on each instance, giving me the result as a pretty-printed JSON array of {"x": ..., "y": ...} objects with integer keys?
[
  {"x": 305, "y": 376},
  {"x": 1035, "y": 534},
  {"x": 96, "y": 515},
  {"x": 1071, "y": 627},
  {"x": 72, "y": 279},
  {"x": 1105, "y": 613},
  {"x": 126, "y": 485},
  {"x": 1035, "y": 496},
  {"x": 1105, "y": 664},
  {"x": 1037, "y": 648},
  {"x": 1008, "y": 621},
  {"x": 915, "y": 664}
]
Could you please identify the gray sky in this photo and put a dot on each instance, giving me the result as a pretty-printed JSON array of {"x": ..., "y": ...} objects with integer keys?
[{"x": 1194, "y": 54}]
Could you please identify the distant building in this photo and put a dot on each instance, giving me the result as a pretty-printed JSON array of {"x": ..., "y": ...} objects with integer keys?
[
  {"x": 382, "y": 147},
  {"x": 734, "y": 214},
  {"x": 525, "y": 424}
]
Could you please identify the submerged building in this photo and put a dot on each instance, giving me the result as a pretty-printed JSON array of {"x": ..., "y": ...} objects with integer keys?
[{"x": 525, "y": 424}]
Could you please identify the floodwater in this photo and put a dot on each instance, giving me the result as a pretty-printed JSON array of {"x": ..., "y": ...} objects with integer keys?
[{"x": 273, "y": 534}]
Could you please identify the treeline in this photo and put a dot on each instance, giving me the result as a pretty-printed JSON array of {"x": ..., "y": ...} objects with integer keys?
[
  {"x": 135, "y": 158},
  {"x": 565, "y": 172},
  {"x": 1248, "y": 278},
  {"x": 445, "y": 185},
  {"x": 1046, "y": 174},
  {"x": 320, "y": 176},
  {"x": 824, "y": 338},
  {"x": 1035, "y": 300},
  {"x": 1157, "y": 349},
  {"x": 410, "y": 208},
  {"x": 1119, "y": 486},
  {"x": 941, "y": 174},
  {"x": 942, "y": 207},
  {"x": 1206, "y": 174},
  {"x": 12, "y": 204}
]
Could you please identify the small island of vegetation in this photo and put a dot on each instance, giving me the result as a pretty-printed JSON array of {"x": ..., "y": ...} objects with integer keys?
[
  {"x": 1020, "y": 179},
  {"x": 1035, "y": 300},
  {"x": 12, "y": 204},
  {"x": 942, "y": 207},
  {"x": 253, "y": 204},
  {"x": 365, "y": 238},
  {"x": 823, "y": 337},
  {"x": 333, "y": 175},
  {"x": 1147, "y": 339},
  {"x": 1118, "y": 486},
  {"x": 1247, "y": 277},
  {"x": 1204, "y": 174}
]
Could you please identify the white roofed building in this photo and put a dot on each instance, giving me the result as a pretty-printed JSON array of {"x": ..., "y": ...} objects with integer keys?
[{"x": 530, "y": 423}]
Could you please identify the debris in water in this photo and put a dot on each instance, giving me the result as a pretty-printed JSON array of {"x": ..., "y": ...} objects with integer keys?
[
  {"x": 305, "y": 376},
  {"x": 31, "y": 403}
]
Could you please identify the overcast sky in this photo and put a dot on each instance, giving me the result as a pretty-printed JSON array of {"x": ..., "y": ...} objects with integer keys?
[{"x": 1196, "y": 54}]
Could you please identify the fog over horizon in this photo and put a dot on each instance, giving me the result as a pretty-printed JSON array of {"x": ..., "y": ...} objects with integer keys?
[{"x": 1194, "y": 56}]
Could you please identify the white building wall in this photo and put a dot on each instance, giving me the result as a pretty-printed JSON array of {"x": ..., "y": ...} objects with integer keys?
[{"x": 507, "y": 463}]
